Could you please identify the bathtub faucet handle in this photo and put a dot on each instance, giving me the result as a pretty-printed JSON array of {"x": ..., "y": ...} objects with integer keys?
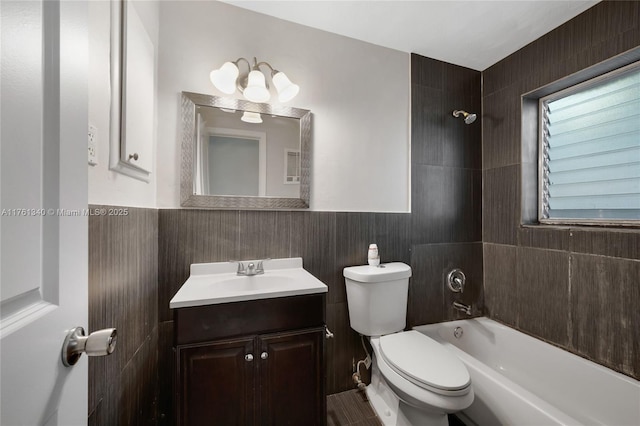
[{"x": 456, "y": 280}]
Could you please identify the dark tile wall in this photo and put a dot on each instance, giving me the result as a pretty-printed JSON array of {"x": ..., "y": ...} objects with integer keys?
[
  {"x": 123, "y": 293},
  {"x": 571, "y": 286},
  {"x": 446, "y": 189}
]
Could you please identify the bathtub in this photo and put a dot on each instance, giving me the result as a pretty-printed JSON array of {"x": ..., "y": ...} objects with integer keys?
[{"x": 520, "y": 380}]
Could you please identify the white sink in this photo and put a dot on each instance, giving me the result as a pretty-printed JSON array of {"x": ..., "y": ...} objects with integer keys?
[{"x": 213, "y": 283}]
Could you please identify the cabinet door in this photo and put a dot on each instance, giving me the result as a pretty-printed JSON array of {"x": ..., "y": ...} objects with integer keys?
[
  {"x": 292, "y": 390},
  {"x": 216, "y": 383}
]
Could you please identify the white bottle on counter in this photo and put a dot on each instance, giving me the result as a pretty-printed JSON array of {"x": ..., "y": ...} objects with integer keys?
[{"x": 373, "y": 256}]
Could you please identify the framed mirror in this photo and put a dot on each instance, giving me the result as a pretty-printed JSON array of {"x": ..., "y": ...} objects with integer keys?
[{"x": 238, "y": 154}]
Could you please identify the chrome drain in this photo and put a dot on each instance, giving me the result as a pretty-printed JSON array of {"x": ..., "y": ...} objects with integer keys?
[{"x": 457, "y": 332}]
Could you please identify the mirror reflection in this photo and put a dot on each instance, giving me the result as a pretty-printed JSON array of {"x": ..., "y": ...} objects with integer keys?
[
  {"x": 241, "y": 153},
  {"x": 238, "y": 154}
]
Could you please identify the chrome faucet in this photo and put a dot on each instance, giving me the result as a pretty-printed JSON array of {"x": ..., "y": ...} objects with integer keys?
[
  {"x": 462, "y": 307},
  {"x": 250, "y": 269}
]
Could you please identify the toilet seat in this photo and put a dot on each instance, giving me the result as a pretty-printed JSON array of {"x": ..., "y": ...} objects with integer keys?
[{"x": 424, "y": 362}]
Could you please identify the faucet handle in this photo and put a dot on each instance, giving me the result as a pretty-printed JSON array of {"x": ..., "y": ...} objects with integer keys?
[
  {"x": 456, "y": 280},
  {"x": 240, "y": 266},
  {"x": 260, "y": 267}
]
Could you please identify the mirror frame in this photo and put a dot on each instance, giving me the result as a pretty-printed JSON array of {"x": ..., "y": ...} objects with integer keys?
[{"x": 188, "y": 198}]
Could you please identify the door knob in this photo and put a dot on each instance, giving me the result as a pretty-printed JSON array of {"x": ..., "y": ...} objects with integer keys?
[
  {"x": 248, "y": 357},
  {"x": 264, "y": 355},
  {"x": 98, "y": 343}
]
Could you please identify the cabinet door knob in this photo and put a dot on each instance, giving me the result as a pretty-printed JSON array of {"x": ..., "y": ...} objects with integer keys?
[
  {"x": 264, "y": 355},
  {"x": 248, "y": 357}
]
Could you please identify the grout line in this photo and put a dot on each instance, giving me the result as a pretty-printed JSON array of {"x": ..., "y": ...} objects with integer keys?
[{"x": 569, "y": 307}]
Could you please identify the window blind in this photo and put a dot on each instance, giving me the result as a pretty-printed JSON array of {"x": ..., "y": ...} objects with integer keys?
[{"x": 590, "y": 150}]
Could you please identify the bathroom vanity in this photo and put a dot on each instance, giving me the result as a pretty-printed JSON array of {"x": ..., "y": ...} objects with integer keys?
[{"x": 250, "y": 349}]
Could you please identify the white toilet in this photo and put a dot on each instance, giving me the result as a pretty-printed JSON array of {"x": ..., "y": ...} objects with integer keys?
[{"x": 414, "y": 381}]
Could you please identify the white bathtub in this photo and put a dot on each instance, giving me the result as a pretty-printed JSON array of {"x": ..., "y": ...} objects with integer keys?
[{"x": 520, "y": 380}]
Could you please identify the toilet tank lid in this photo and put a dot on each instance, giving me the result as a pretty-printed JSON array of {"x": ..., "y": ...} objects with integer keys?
[{"x": 373, "y": 274}]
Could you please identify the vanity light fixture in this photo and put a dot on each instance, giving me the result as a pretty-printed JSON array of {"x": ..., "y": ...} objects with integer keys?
[
  {"x": 251, "y": 117},
  {"x": 253, "y": 84}
]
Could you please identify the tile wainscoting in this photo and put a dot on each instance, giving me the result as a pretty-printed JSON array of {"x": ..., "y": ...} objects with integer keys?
[
  {"x": 123, "y": 293},
  {"x": 328, "y": 242}
]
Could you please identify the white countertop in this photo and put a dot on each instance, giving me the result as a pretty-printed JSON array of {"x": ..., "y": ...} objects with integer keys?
[{"x": 214, "y": 283}]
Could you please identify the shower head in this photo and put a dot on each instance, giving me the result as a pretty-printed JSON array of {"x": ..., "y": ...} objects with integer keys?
[{"x": 468, "y": 118}]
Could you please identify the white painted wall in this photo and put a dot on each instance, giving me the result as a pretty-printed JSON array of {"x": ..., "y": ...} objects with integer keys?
[
  {"x": 359, "y": 95},
  {"x": 105, "y": 186}
]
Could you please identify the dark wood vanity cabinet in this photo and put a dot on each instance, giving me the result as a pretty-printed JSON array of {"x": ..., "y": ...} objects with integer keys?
[{"x": 256, "y": 363}]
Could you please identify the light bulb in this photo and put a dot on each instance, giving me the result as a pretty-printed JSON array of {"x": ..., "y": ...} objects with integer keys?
[
  {"x": 251, "y": 117},
  {"x": 286, "y": 89},
  {"x": 256, "y": 90},
  {"x": 225, "y": 77}
]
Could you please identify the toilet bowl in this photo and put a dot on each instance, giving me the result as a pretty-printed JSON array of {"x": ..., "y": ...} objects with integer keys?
[{"x": 415, "y": 381}]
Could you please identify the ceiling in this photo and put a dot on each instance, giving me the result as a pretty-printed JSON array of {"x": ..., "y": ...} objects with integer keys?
[{"x": 474, "y": 34}]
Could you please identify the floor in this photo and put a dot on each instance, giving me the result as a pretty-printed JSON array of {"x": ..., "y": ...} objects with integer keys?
[{"x": 351, "y": 408}]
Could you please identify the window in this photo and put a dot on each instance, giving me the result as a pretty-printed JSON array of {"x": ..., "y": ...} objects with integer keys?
[{"x": 589, "y": 164}]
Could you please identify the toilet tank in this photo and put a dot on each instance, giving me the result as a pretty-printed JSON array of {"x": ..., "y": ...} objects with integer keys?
[{"x": 377, "y": 297}]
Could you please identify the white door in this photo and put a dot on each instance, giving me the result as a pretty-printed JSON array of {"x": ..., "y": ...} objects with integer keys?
[{"x": 43, "y": 185}]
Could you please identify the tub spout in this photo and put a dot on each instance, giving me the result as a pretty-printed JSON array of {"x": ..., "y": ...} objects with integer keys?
[{"x": 462, "y": 307}]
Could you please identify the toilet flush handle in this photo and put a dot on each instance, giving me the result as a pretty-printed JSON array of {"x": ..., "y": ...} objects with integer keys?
[{"x": 328, "y": 334}]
